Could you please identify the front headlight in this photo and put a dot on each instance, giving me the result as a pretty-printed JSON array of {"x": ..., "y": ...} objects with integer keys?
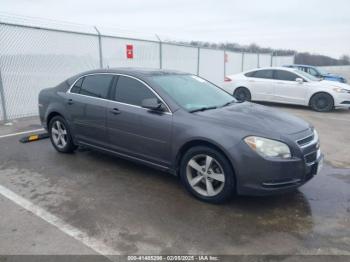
[
  {"x": 341, "y": 90},
  {"x": 268, "y": 147}
]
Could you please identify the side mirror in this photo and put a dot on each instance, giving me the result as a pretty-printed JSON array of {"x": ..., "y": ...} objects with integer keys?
[
  {"x": 152, "y": 104},
  {"x": 299, "y": 80}
]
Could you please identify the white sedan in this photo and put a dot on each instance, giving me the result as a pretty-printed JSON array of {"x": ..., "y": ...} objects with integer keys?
[{"x": 290, "y": 86}]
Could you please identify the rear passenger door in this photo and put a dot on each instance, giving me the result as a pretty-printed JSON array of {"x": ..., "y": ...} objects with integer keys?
[
  {"x": 134, "y": 130},
  {"x": 87, "y": 108},
  {"x": 287, "y": 89},
  {"x": 261, "y": 85}
]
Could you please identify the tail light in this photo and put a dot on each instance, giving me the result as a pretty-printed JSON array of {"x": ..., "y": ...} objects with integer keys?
[{"x": 227, "y": 79}]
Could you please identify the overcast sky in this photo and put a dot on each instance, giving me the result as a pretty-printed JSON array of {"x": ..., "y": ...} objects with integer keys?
[{"x": 316, "y": 26}]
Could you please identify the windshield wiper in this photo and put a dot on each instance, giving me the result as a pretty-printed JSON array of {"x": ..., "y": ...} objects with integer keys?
[
  {"x": 229, "y": 103},
  {"x": 203, "y": 109}
]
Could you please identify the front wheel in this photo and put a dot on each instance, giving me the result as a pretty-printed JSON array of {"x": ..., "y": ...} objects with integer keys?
[
  {"x": 207, "y": 174},
  {"x": 242, "y": 94},
  {"x": 60, "y": 136},
  {"x": 322, "y": 102}
]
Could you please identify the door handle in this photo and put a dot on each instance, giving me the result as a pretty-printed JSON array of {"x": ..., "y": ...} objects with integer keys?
[
  {"x": 70, "y": 102},
  {"x": 115, "y": 111}
]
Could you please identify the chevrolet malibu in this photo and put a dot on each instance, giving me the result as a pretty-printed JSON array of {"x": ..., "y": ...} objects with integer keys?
[{"x": 183, "y": 124}]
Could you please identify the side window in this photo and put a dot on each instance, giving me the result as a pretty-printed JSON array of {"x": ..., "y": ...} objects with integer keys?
[
  {"x": 267, "y": 74},
  {"x": 96, "y": 85},
  {"x": 131, "y": 91},
  {"x": 285, "y": 75},
  {"x": 76, "y": 88},
  {"x": 302, "y": 69}
]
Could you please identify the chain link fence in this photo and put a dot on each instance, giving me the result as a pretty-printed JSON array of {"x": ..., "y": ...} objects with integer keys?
[{"x": 37, "y": 54}]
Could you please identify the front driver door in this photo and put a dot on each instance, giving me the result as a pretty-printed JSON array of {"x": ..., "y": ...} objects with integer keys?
[
  {"x": 287, "y": 89},
  {"x": 134, "y": 130}
]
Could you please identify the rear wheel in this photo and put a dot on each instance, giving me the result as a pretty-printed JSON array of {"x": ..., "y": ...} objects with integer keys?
[
  {"x": 322, "y": 102},
  {"x": 242, "y": 94},
  {"x": 60, "y": 135},
  {"x": 207, "y": 174}
]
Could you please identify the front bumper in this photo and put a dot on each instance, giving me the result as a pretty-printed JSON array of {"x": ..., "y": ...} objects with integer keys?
[
  {"x": 256, "y": 175},
  {"x": 342, "y": 100}
]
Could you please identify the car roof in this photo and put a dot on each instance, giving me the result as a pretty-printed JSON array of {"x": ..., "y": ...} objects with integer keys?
[
  {"x": 300, "y": 65},
  {"x": 136, "y": 71},
  {"x": 272, "y": 68}
]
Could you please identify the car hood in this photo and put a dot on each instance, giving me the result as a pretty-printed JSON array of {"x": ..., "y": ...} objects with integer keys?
[
  {"x": 256, "y": 118},
  {"x": 331, "y": 75},
  {"x": 332, "y": 84}
]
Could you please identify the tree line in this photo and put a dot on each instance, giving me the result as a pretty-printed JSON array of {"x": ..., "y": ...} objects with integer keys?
[{"x": 300, "y": 58}]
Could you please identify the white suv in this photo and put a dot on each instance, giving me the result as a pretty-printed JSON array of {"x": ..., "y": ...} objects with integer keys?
[{"x": 290, "y": 86}]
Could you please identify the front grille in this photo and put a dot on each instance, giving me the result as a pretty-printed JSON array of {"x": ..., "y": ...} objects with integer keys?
[
  {"x": 311, "y": 157},
  {"x": 305, "y": 140}
]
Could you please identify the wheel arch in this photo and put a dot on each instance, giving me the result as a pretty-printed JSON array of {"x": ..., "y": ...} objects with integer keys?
[{"x": 52, "y": 115}]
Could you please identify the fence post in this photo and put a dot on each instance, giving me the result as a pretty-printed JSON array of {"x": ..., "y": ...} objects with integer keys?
[
  {"x": 224, "y": 63},
  {"x": 294, "y": 55},
  {"x": 160, "y": 52},
  {"x": 258, "y": 59},
  {"x": 99, "y": 47},
  {"x": 242, "y": 66},
  {"x": 198, "y": 59},
  {"x": 272, "y": 59},
  {"x": 2, "y": 100}
]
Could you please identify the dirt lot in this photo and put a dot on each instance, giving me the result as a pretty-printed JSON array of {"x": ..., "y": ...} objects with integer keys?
[{"x": 91, "y": 203}]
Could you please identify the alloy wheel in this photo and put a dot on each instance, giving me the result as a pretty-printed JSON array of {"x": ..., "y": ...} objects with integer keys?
[
  {"x": 205, "y": 175},
  {"x": 59, "y": 134}
]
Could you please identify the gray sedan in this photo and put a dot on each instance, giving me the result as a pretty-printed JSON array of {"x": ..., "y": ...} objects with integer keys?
[{"x": 185, "y": 125}]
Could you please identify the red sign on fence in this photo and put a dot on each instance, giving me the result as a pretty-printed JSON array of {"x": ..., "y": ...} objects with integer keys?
[{"x": 129, "y": 51}]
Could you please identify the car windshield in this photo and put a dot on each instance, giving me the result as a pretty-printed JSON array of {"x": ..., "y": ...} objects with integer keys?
[
  {"x": 192, "y": 92},
  {"x": 308, "y": 76}
]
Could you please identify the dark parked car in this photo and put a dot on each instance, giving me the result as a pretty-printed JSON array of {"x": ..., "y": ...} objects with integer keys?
[
  {"x": 183, "y": 124},
  {"x": 319, "y": 73}
]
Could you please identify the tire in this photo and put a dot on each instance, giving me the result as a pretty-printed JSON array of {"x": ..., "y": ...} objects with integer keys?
[
  {"x": 242, "y": 94},
  {"x": 200, "y": 183},
  {"x": 322, "y": 102},
  {"x": 60, "y": 135}
]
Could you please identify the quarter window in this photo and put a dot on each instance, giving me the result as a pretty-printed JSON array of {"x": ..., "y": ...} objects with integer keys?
[
  {"x": 250, "y": 74},
  {"x": 76, "y": 88},
  {"x": 285, "y": 75},
  {"x": 131, "y": 91},
  {"x": 96, "y": 85}
]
